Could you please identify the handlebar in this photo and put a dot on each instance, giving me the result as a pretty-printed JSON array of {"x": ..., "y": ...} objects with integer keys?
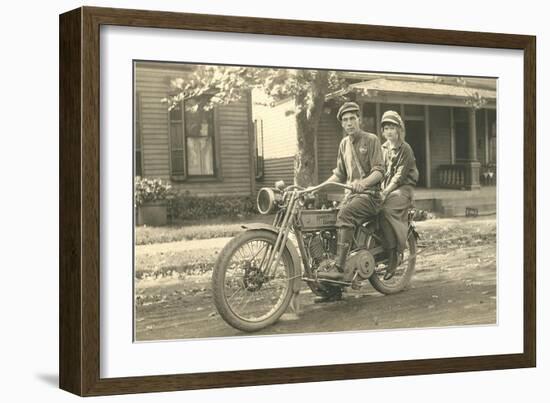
[{"x": 323, "y": 185}]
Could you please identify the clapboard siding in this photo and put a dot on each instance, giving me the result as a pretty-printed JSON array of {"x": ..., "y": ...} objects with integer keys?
[
  {"x": 276, "y": 169},
  {"x": 233, "y": 146},
  {"x": 279, "y": 128},
  {"x": 280, "y": 143},
  {"x": 440, "y": 140},
  {"x": 152, "y": 87}
]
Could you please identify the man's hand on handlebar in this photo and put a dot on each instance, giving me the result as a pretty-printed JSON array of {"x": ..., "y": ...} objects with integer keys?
[{"x": 358, "y": 187}]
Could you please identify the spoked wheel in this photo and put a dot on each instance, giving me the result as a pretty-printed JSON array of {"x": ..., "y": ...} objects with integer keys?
[
  {"x": 245, "y": 294},
  {"x": 406, "y": 264}
]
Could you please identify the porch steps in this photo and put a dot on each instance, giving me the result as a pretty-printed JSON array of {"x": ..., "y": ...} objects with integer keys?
[{"x": 458, "y": 202}]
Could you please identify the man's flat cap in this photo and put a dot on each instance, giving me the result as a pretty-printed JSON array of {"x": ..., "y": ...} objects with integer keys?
[{"x": 347, "y": 107}]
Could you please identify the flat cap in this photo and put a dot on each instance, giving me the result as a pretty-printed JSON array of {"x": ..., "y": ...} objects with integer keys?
[
  {"x": 392, "y": 117},
  {"x": 347, "y": 107}
]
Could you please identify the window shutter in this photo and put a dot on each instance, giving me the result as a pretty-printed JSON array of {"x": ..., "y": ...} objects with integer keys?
[
  {"x": 138, "y": 156},
  {"x": 177, "y": 142}
]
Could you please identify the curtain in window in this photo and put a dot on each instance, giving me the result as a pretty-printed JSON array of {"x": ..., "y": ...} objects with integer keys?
[
  {"x": 199, "y": 132},
  {"x": 200, "y": 156}
]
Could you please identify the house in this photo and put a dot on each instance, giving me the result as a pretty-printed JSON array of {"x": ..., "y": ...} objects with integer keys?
[
  {"x": 235, "y": 149},
  {"x": 205, "y": 152},
  {"x": 454, "y": 144}
]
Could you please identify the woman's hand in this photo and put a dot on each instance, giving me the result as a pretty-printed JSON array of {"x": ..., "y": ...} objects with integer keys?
[{"x": 387, "y": 190}]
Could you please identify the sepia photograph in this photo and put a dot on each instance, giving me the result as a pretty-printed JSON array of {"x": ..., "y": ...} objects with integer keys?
[{"x": 274, "y": 200}]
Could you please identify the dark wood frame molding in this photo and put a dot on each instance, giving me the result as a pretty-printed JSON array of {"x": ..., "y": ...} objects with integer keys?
[{"x": 79, "y": 201}]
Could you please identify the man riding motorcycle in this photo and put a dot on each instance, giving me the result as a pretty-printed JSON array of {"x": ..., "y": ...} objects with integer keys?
[{"x": 360, "y": 164}]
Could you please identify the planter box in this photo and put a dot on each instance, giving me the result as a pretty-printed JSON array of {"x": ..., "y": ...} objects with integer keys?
[{"x": 153, "y": 213}]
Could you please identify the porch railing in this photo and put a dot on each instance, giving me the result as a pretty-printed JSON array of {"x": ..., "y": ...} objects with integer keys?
[
  {"x": 466, "y": 175},
  {"x": 452, "y": 176}
]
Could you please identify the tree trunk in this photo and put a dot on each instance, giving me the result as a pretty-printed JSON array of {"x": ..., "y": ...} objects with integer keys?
[{"x": 310, "y": 105}]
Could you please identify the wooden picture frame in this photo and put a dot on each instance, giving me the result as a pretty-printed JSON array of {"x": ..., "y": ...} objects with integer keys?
[{"x": 80, "y": 199}]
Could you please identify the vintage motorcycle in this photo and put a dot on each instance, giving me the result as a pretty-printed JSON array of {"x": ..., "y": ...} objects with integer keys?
[{"x": 259, "y": 272}]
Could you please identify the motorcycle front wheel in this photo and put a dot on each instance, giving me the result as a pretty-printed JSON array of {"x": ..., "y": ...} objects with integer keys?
[
  {"x": 245, "y": 295},
  {"x": 403, "y": 272}
]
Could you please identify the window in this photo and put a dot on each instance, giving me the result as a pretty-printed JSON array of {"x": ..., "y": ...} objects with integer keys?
[
  {"x": 137, "y": 137},
  {"x": 259, "y": 147},
  {"x": 191, "y": 140}
]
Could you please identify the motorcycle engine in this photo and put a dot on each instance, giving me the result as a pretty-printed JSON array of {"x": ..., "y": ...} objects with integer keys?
[{"x": 321, "y": 246}]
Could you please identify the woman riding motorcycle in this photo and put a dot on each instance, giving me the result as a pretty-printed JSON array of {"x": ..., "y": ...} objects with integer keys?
[{"x": 398, "y": 185}]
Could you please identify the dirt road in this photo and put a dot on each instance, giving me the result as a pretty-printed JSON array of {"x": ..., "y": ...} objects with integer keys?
[{"x": 454, "y": 285}]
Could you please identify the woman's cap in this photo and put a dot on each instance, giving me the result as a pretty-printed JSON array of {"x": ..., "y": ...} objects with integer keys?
[{"x": 392, "y": 117}]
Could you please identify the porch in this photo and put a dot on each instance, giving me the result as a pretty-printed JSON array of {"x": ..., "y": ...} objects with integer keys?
[{"x": 453, "y": 136}]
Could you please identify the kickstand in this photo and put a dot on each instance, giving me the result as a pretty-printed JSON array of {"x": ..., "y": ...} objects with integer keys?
[{"x": 295, "y": 304}]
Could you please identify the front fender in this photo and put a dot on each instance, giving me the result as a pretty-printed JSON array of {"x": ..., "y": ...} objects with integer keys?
[{"x": 289, "y": 245}]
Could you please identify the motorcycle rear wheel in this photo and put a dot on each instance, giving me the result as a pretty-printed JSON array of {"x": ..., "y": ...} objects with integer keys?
[
  {"x": 244, "y": 298},
  {"x": 403, "y": 272}
]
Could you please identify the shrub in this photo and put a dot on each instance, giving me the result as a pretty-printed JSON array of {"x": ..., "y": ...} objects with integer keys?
[{"x": 186, "y": 207}]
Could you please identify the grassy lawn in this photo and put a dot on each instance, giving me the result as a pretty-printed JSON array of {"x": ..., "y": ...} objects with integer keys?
[
  {"x": 224, "y": 227},
  {"x": 189, "y": 230},
  {"x": 437, "y": 237}
]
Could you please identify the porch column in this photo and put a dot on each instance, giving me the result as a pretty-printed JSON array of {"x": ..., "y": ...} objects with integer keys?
[
  {"x": 473, "y": 166},
  {"x": 472, "y": 135},
  {"x": 378, "y": 118},
  {"x": 453, "y": 152},
  {"x": 427, "y": 145},
  {"x": 486, "y": 135}
]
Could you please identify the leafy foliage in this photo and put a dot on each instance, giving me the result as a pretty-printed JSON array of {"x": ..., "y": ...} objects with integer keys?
[
  {"x": 226, "y": 84},
  {"x": 150, "y": 190}
]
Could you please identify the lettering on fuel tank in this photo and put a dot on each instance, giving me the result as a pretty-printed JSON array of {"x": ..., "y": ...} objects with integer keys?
[
  {"x": 327, "y": 220},
  {"x": 319, "y": 219}
]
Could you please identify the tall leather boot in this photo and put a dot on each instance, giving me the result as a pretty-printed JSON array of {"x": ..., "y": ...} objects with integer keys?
[{"x": 344, "y": 239}]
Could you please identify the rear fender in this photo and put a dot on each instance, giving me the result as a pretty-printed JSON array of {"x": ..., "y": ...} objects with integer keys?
[{"x": 289, "y": 245}]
